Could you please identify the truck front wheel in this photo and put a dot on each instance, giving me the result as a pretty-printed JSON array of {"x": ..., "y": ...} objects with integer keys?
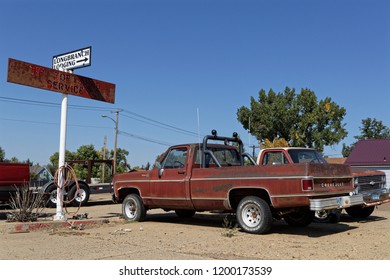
[
  {"x": 133, "y": 208},
  {"x": 359, "y": 211},
  {"x": 327, "y": 216},
  {"x": 254, "y": 215},
  {"x": 301, "y": 218}
]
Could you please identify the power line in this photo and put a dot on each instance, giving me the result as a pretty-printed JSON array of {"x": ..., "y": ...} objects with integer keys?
[
  {"x": 156, "y": 124},
  {"x": 131, "y": 115},
  {"x": 124, "y": 133},
  {"x": 51, "y": 104},
  {"x": 51, "y": 123},
  {"x": 29, "y": 102},
  {"x": 150, "y": 121},
  {"x": 127, "y": 114},
  {"x": 28, "y": 121},
  {"x": 144, "y": 138}
]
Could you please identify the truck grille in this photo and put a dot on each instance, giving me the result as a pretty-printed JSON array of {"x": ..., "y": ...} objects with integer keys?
[{"x": 369, "y": 183}]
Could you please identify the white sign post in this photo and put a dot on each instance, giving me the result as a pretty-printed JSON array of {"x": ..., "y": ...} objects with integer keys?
[
  {"x": 73, "y": 60},
  {"x": 60, "y": 215},
  {"x": 66, "y": 62}
]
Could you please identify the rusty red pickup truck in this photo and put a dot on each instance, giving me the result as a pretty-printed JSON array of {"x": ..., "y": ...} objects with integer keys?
[
  {"x": 369, "y": 183},
  {"x": 12, "y": 176},
  {"x": 216, "y": 175}
]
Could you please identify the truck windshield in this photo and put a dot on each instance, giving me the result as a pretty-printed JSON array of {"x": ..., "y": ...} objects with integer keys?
[{"x": 304, "y": 155}]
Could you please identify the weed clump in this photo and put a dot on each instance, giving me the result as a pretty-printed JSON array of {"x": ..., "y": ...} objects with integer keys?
[
  {"x": 27, "y": 203},
  {"x": 230, "y": 226}
]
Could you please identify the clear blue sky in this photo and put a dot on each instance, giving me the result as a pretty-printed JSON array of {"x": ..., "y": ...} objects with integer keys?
[{"x": 171, "y": 58}]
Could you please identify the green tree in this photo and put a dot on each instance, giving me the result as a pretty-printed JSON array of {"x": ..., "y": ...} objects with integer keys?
[
  {"x": 346, "y": 150},
  {"x": 370, "y": 129},
  {"x": 88, "y": 152},
  {"x": 300, "y": 119},
  {"x": 2, "y": 154},
  {"x": 373, "y": 129},
  {"x": 54, "y": 159},
  {"x": 121, "y": 160},
  {"x": 14, "y": 159}
]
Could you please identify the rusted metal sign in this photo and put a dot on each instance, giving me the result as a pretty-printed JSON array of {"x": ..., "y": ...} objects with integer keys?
[{"x": 32, "y": 75}]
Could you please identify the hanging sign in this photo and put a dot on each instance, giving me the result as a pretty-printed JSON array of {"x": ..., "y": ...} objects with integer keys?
[
  {"x": 72, "y": 60},
  {"x": 32, "y": 75}
]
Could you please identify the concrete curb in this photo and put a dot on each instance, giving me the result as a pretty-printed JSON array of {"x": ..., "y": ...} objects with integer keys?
[{"x": 13, "y": 227}]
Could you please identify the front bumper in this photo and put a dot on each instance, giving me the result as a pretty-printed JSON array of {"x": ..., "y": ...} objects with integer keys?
[
  {"x": 339, "y": 202},
  {"x": 376, "y": 198}
]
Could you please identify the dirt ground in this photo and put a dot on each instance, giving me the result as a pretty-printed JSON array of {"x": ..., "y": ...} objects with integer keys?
[{"x": 203, "y": 237}]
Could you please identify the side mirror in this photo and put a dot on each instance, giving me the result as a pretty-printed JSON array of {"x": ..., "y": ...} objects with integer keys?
[{"x": 160, "y": 169}]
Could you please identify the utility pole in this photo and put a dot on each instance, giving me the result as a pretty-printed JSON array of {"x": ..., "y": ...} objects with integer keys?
[
  {"x": 116, "y": 138},
  {"x": 104, "y": 157},
  {"x": 253, "y": 149},
  {"x": 116, "y": 121}
]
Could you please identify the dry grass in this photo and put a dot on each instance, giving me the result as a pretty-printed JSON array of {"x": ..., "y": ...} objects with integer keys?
[
  {"x": 230, "y": 226},
  {"x": 27, "y": 203}
]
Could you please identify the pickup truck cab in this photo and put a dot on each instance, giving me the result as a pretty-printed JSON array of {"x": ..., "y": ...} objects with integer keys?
[
  {"x": 213, "y": 176},
  {"x": 370, "y": 184}
]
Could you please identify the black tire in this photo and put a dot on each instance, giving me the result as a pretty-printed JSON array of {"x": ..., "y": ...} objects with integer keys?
[
  {"x": 254, "y": 215},
  {"x": 301, "y": 218},
  {"x": 327, "y": 216},
  {"x": 51, "y": 191},
  {"x": 184, "y": 213},
  {"x": 133, "y": 209},
  {"x": 359, "y": 211},
  {"x": 79, "y": 197}
]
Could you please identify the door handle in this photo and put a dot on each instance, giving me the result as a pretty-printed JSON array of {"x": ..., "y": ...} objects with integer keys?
[{"x": 181, "y": 172}]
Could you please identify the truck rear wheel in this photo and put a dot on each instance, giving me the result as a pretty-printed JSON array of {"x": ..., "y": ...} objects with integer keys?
[
  {"x": 359, "y": 211},
  {"x": 254, "y": 215},
  {"x": 81, "y": 196},
  {"x": 133, "y": 208},
  {"x": 301, "y": 218}
]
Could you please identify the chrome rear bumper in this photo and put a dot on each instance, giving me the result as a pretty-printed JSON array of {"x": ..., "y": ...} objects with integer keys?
[{"x": 339, "y": 202}]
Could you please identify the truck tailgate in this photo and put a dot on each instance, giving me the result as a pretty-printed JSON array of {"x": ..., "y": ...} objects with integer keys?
[{"x": 331, "y": 177}]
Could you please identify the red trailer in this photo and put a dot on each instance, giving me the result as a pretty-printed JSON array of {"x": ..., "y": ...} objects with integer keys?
[{"x": 12, "y": 176}]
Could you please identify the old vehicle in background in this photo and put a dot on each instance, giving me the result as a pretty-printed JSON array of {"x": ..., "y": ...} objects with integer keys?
[
  {"x": 370, "y": 184},
  {"x": 12, "y": 176},
  {"x": 77, "y": 192},
  {"x": 213, "y": 176}
]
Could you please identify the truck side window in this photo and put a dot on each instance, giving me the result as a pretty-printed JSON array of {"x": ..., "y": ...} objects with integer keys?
[
  {"x": 227, "y": 157},
  {"x": 176, "y": 158},
  {"x": 273, "y": 158}
]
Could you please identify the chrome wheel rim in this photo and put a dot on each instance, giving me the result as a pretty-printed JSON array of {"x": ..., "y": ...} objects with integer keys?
[
  {"x": 80, "y": 195},
  {"x": 251, "y": 215},
  {"x": 53, "y": 197},
  {"x": 130, "y": 209}
]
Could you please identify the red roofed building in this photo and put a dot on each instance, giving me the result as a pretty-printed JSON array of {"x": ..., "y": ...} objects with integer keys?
[{"x": 372, "y": 154}]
